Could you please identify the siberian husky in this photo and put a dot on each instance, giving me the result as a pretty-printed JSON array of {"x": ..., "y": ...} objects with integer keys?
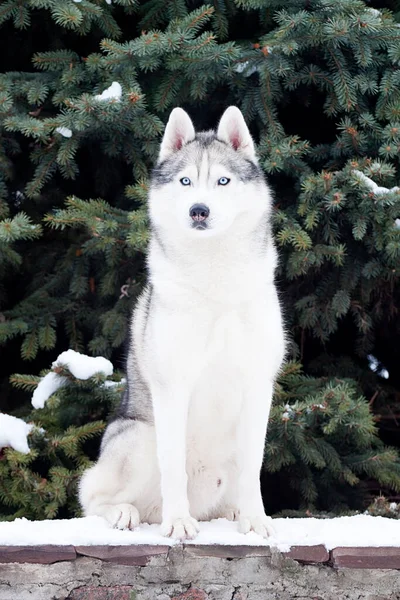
[{"x": 206, "y": 344}]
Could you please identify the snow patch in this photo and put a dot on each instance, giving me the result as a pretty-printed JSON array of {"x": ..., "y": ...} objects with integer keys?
[
  {"x": 80, "y": 366},
  {"x": 114, "y": 92},
  {"x": 19, "y": 197},
  {"x": 288, "y": 412},
  {"x": 375, "y": 12},
  {"x": 64, "y": 131},
  {"x": 397, "y": 223},
  {"x": 374, "y": 366},
  {"x": 359, "y": 530},
  {"x": 14, "y": 432},
  {"x": 110, "y": 384},
  {"x": 374, "y": 187},
  {"x": 49, "y": 384},
  {"x": 243, "y": 67}
]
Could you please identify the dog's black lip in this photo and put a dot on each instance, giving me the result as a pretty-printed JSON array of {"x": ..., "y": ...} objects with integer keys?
[{"x": 199, "y": 225}]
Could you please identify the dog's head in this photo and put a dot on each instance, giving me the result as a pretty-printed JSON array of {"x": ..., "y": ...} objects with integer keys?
[{"x": 207, "y": 183}]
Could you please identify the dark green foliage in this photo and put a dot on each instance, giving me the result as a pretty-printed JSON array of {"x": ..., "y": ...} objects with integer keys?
[
  {"x": 318, "y": 82},
  {"x": 322, "y": 437},
  {"x": 43, "y": 483}
]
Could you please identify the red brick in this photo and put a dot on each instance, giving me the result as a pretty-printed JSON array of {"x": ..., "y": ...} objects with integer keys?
[
  {"x": 36, "y": 554},
  {"x": 90, "y": 592},
  {"x": 192, "y": 594},
  {"x": 308, "y": 554},
  {"x": 366, "y": 558}
]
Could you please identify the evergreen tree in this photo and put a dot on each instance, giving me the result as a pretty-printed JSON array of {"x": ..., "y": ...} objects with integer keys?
[
  {"x": 87, "y": 90},
  {"x": 43, "y": 483}
]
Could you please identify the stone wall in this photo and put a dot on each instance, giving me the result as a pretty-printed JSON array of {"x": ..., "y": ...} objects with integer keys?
[{"x": 198, "y": 573}]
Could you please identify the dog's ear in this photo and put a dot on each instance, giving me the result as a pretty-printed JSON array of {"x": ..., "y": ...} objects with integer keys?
[
  {"x": 178, "y": 132},
  {"x": 233, "y": 130}
]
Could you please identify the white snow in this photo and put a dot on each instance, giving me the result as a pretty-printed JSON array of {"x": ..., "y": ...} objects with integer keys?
[
  {"x": 14, "y": 432},
  {"x": 82, "y": 366},
  {"x": 65, "y": 131},
  {"x": 374, "y": 187},
  {"x": 397, "y": 223},
  {"x": 359, "y": 530},
  {"x": 240, "y": 67},
  {"x": 46, "y": 387},
  {"x": 114, "y": 92},
  {"x": 79, "y": 365},
  {"x": 375, "y": 12},
  {"x": 109, "y": 1},
  {"x": 288, "y": 412},
  {"x": 110, "y": 384},
  {"x": 374, "y": 366},
  {"x": 18, "y": 197},
  {"x": 77, "y": 0}
]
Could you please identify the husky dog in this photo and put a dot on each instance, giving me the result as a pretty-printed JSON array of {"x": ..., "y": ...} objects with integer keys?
[{"x": 206, "y": 344}]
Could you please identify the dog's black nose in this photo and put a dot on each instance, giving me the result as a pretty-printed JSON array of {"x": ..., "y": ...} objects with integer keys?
[{"x": 199, "y": 212}]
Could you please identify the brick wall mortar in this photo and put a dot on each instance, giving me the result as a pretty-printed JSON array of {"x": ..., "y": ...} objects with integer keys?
[{"x": 199, "y": 573}]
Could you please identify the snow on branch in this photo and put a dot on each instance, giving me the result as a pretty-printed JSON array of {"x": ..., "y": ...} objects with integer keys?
[
  {"x": 374, "y": 187},
  {"x": 64, "y": 131},
  {"x": 79, "y": 365},
  {"x": 114, "y": 92},
  {"x": 14, "y": 433}
]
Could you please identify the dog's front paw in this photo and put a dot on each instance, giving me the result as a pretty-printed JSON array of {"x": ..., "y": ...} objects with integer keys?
[
  {"x": 122, "y": 516},
  {"x": 261, "y": 524},
  {"x": 180, "y": 529}
]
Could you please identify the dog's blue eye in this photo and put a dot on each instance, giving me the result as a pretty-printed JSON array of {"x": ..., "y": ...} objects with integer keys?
[
  {"x": 185, "y": 181},
  {"x": 223, "y": 181}
]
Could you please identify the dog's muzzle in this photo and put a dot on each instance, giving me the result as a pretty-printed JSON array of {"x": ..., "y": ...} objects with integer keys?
[{"x": 199, "y": 214}]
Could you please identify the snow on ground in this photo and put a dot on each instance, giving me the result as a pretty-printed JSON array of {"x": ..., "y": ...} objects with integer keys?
[
  {"x": 360, "y": 530},
  {"x": 14, "y": 432},
  {"x": 79, "y": 365}
]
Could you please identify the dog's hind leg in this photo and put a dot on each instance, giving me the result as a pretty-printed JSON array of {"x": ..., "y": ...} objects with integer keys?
[{"x": 123, "y": 486}]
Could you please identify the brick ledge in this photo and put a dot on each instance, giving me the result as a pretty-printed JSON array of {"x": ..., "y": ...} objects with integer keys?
[{"x": 140, "y": 555}]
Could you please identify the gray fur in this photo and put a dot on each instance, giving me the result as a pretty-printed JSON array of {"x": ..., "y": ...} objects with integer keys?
[
  {"x": 135, "y": 403},
  {"x": 139, "y": 405},
  {"x": 192, "y": 153}
]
